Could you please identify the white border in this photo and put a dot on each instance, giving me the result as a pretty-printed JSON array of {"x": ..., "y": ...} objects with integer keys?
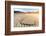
[{"x": 25, "y": 28}]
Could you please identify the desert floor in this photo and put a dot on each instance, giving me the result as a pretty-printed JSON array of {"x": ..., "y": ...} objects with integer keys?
[{"x": 26, "y": 19}]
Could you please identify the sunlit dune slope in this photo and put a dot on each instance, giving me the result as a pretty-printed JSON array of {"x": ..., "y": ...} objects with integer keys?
[{"x": 27, "y": 18}]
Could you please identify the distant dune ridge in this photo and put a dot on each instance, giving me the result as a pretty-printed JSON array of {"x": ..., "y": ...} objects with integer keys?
[{"x": 21, "y": 19}]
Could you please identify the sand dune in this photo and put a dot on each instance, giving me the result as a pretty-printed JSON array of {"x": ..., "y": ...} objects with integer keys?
[{"x": 21, "y": 18}]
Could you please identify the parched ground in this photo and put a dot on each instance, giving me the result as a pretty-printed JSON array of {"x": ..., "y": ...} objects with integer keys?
[{"x": 26, "y": 19}]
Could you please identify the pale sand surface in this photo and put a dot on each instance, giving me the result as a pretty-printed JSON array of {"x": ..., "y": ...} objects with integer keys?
[{"x": 20, "y": 19}]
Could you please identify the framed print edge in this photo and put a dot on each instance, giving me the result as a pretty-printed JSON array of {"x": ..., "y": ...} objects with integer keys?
[{"x": 8, "y": 16}]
